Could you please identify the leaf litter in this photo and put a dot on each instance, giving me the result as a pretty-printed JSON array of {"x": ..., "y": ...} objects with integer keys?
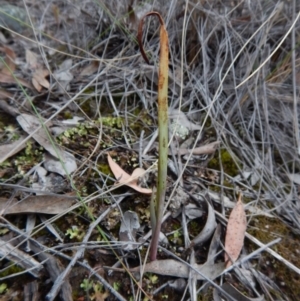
[
  {"x": 129, "y": 226},
  {"x": 235, "y": 233},
  {"x": 260, "y": 128},
  {"x": 171, "y": 267},
  {"x": 46, "y": 204},
  {"x": 124, "y": 178},
  {"x": 39, "y": 74},
  {"x": 60, "y": 161}
]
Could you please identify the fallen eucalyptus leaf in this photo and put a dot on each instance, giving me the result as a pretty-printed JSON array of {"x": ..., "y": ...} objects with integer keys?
[
  {"x": 174, "y": 268},
  {"x": 235, "y": 233},
  {"x": 47, "y": 204},
  {"x": 124, "y": 178},
  {"x": 39, "y": 79}
]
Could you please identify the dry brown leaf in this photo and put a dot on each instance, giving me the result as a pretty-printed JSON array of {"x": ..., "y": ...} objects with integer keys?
[
  {"x": 90, "y": 69},
  {"x": 39, "y": 79},
  {"x": 46, "y": 204},
  {"x": 31, "y": 59},
  {"x": 39, "y": 73},
  {"x": 236, "y": 228},
  {"x": 9, "y": 79},
  {"x": 124, "y": 178},
  {"x": 10, "y": 56}
]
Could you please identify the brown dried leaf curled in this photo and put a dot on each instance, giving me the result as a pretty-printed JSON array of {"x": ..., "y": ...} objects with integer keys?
[
  {"x": 124, "y": 178},
  {"x": 235, "y": 233}
]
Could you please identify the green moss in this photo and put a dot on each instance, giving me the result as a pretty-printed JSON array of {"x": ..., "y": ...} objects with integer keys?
[
  {"x": 81, "y": 129},
  {"x": 10, "y": 270},
  {"x": 112, "y": 122},
  {"x": 267, "y": 229},
  {"x": 29, "y": 157},
  {"x": 9, "y": 133},
  {"x": 228, "y": 162},
  {"x": 105, "y": 169},
  {"x": 67, "y": 115}
]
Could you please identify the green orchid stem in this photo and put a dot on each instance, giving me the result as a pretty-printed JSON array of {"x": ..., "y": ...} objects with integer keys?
[
  {"x": 162, "y": 128},
  {"x": 157, "y": 210}
]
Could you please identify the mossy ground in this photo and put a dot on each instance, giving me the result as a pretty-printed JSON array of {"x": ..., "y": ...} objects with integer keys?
[{"x": 266, "y": 230}]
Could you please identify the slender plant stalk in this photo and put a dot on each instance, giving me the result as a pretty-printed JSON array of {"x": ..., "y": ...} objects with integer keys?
[{"x": 162, "y": 126}]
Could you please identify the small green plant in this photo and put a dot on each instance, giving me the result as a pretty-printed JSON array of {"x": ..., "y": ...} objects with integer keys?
[
  {"x": 3, "y": 287},
  {"x": 99, "y": 293},
  {"x": 86, "y": 285},
  {"x": 152, "y": 279},
  {"x": 116, "y": 285},
  {"x": 3, "y": 231},
  {"x": 75, "y": 232},
  {"x": 97, "y": 287},
  {"x": 177, "y": 237}
]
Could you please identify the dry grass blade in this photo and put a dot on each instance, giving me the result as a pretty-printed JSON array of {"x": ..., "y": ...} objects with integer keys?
[
  {"x": 26, "y": 261},
  {"x": 235, "y": 233},
  {"x": 201, "y": 150}
]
